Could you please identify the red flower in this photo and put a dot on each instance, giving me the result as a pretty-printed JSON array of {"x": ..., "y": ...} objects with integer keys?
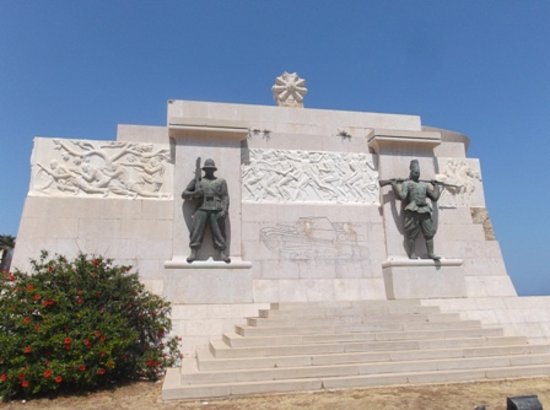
[
  {"x": 48, "y": 302},
  {"x": 81, "y": 368},
  {"x": 26, "y": 320},
  {"x": 27, "y": 350},
  {"x": 97, "y": 333},
  {"x": 102, "y": 354},
  {"x": 37, "y": 297},
  {"x": 30, "y": 287},
  {"x": 96, "y": 262},
  {"x": 24, "y": 384},
  {"x": 47, "y": 373},
  {"x": 151, "y": 363},
  {"x": 50, "y": 269},
  {"x": 58, "y": 379},
  {"x": 87, "y": 343},
  {"x": 102, "y": 338},
  {"x": 3, "y": 378},
  {"x": 79, "y": 300},
  {"x": 67, "y": 341},
  {"x": 11, "y": 276},
  {"x": 21, "y": 376},
  {"x": 101, "y": 371}
]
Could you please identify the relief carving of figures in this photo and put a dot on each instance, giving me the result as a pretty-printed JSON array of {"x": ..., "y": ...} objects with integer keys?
[
  {"x": 467, "y": 179},
  {"x": 103, "y": 169},
  {"x": 309, "y": 176}
]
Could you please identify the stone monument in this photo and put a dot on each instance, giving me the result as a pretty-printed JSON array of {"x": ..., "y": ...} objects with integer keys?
[{"x": 308, "y": 219}]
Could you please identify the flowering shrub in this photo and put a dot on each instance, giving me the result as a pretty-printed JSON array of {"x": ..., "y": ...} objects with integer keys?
[{"x": 74, "y": 325}]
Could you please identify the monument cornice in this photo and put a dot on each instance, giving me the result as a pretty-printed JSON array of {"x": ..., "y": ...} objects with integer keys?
[
  {"x": 381, "y": 137},
  {"x": 207, "y": 128}
]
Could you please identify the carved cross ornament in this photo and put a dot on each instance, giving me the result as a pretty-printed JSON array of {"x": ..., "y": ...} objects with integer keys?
[{"x": 289, "y": 90}]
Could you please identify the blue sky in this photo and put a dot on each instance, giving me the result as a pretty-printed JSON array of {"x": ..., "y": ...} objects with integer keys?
[{"x": 78, "y": 68}]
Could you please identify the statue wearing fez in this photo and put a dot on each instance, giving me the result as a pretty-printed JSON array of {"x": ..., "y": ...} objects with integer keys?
[
  {"x": 214, "y": 203},
  {"x": 413, "y": 193}
]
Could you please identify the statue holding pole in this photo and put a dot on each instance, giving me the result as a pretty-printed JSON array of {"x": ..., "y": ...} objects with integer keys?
[{"x": 414, "y": 194}]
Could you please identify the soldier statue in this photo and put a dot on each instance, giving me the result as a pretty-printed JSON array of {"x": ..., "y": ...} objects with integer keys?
[
  {"x": 413, "y": 193},
  {"x": 214, "y": 203}
]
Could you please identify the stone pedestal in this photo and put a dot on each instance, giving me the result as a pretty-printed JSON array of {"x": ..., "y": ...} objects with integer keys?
[
  {"x": 208, "y": 281},
  {"x": 423, "y": 278}
]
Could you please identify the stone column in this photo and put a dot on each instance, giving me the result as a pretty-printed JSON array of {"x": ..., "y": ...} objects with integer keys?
[
  {"x": 206, "y": 280},
  {"x": 405, "y": 278}
]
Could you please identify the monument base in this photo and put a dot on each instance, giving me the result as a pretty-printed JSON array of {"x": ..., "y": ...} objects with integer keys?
[
  {"x": 423, "y": 278},
  {"x": 208, "y": 281}
]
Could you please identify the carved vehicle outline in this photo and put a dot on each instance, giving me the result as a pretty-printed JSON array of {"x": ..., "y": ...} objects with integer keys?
[{"x": 311, "y": 238}]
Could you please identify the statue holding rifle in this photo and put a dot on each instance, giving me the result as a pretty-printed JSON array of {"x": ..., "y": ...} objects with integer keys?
[
  {"x": 414, "y": 192},
  {"x": 214, "y": 204}
]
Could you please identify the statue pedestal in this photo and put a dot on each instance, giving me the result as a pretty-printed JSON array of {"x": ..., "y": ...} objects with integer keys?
[
  {"x": 208, "y": 281},
  {"x": 423, "y": 278}
]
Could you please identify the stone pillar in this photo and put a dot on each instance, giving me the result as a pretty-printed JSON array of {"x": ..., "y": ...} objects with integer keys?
[
  {"x": 206, "y": 280},
  {"x": 404, "y": 278}
]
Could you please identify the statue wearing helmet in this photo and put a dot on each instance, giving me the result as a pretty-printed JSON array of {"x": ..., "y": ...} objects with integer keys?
[{"x": 214, "y": 204}]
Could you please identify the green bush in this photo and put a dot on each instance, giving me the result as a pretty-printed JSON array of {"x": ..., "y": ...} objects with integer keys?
[{"x": 81, "y": 324}]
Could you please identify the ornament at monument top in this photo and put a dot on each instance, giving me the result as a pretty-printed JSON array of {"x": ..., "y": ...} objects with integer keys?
[{"x": 289, "y": 90}]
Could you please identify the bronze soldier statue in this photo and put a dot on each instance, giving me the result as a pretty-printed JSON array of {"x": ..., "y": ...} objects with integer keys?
[
  {"x": 214, "y": 204},
  {"x": 414, "y": 192}
]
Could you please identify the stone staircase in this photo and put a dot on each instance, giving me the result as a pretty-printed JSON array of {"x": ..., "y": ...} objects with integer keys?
[{"x": 335, "y": 345}]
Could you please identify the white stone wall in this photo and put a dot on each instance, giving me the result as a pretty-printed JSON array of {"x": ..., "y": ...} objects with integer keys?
[
  {"x": 99, "y": 197},
  {"x": 314, "y": 252},
  {"x": 518, "y": 316},
  {"x": 135, "y": 232},
  {"x": 306, "y": 209}
]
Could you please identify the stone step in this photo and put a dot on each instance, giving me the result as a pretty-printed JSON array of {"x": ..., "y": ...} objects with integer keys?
[
  {"x": 397, "y": 318},
  {"x": 235, "y": 340},
  {"x": 206, "y": 361},
  {"x": 347, "y": 311},
  {"x": 359, "y": 369},
  {"x": 407, "y": 304},
  {"x": 220, "y": 349},
  {"x": 359, "y": 327},
  {"x": 173, "y": 389},
  {"x": 312, "y": 346}
]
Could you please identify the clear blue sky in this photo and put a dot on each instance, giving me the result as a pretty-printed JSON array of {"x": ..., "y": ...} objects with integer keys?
[{"x": 78, "y": 68}]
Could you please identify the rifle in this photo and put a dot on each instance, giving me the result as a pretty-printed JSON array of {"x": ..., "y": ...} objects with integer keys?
[
  {"x": 193, "y": 192},
  {"x": 384, "y": 182},
  {"x": 197, "y": 172}
]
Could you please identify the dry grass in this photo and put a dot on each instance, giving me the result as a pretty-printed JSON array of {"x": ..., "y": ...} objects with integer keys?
[{"x": 462, "y": 396}]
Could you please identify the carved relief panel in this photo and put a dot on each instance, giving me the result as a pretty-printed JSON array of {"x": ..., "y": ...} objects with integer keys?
[
  {"x": 101, "y": 169},
  {"x": 466, "y": 175},
  {"x": 309, "y": 176}
]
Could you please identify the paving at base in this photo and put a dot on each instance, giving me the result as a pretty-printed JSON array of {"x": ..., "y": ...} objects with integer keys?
[{"x": 461, "y": 396}]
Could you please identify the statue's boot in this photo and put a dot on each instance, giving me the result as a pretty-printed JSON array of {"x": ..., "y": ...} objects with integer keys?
[
  {"x": 410, "y": 248},
  {"x": 430, "y": 248},
  {"x": 192, "y": 256},
  {"x": 224, "y": 257}
]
